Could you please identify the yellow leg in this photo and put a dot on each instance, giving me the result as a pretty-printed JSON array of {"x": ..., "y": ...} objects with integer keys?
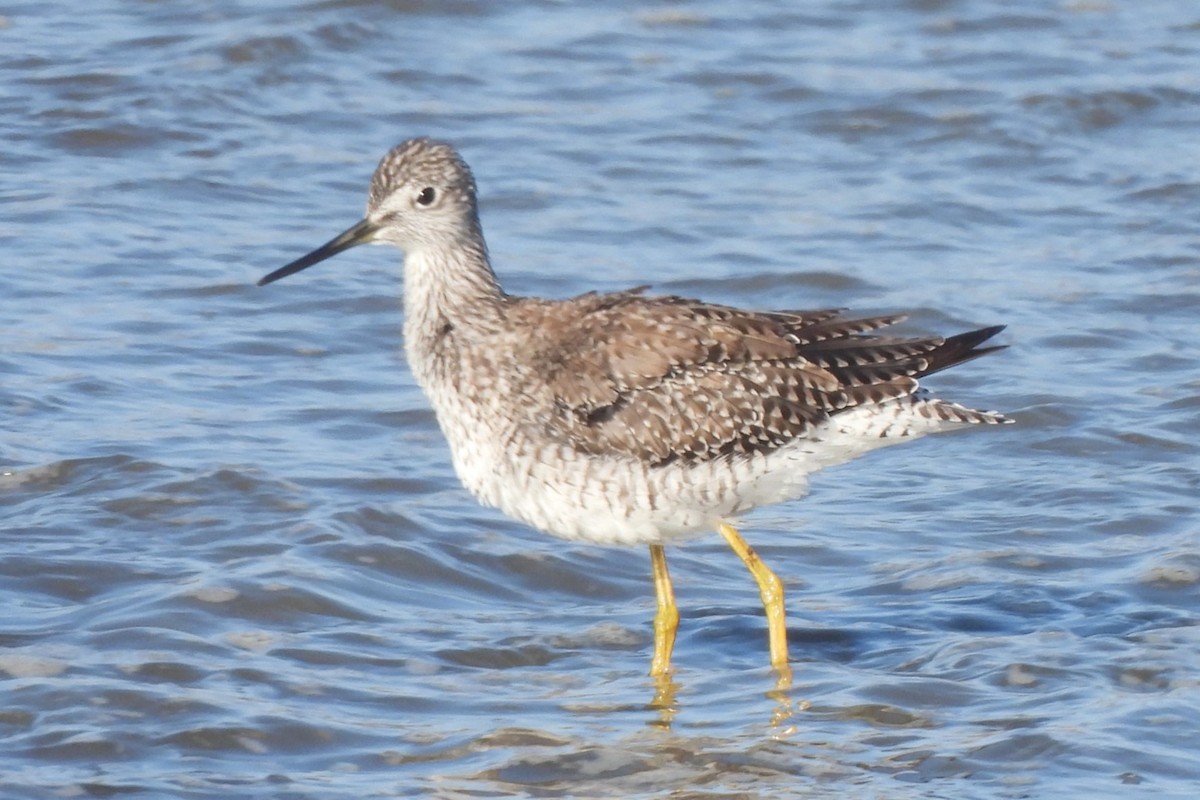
[
  {"x": 770, "y": 588},
  {"x": 666, "y": 619}
]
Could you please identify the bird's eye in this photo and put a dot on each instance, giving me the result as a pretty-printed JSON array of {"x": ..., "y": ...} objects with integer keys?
[{"x": 426, "y": 196}]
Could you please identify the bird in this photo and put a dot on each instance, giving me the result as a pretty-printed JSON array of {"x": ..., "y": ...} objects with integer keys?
[{"x": 629, "y": 418}]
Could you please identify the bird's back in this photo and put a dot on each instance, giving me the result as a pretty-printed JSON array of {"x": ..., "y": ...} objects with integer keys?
[{"x": 666, "y": 379}]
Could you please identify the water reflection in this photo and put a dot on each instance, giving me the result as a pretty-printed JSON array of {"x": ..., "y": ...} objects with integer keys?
[
  {"x": 664, "y": 701},
  {"x": 785, "y": 704},
  {"x": 666, "y": 692}
]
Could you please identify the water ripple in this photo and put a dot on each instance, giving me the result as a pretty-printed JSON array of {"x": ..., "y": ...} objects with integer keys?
[{"x": 231, "y": 533}]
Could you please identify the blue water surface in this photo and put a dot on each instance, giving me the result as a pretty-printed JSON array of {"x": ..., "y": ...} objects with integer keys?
[{"x": 235, "y": 561}]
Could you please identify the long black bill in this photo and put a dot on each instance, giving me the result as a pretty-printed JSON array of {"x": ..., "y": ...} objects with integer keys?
[{"x": 361, "y": 233}]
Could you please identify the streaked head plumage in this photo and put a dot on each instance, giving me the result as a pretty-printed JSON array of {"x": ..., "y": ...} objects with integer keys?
[{"x": 421, "y": 163}]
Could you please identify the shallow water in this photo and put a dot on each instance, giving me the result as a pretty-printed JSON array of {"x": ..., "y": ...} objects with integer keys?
[{"x": 234, "y": 560}]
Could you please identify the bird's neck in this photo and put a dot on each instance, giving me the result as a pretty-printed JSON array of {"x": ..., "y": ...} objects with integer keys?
[
  {"x": 451, "y": 300},
  {"x": 455, "y": 284}
]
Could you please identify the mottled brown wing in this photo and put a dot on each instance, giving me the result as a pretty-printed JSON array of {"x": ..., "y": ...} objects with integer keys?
[{"x": 665, "y": 378}]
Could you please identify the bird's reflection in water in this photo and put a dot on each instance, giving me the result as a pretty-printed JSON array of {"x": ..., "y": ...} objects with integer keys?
[
  {"x": 666, "y": 704},
  {"x": 665, "y": 690}
]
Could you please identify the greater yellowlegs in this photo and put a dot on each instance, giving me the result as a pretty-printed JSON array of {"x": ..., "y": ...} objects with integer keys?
[{"x": 627, "y": 418}]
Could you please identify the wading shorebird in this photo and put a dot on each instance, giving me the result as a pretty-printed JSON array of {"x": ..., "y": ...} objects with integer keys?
[{"x": 627, "y": 418}]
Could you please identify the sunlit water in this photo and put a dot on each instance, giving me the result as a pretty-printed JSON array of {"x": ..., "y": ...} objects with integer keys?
[{"x": 235, "y": 561}]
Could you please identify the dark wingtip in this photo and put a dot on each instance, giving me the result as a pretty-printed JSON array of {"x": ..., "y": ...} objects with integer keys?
[{"x": 963, "y": 347}]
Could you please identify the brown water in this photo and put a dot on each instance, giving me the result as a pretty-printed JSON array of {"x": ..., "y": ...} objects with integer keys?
[{"x": 234, "y": 561}]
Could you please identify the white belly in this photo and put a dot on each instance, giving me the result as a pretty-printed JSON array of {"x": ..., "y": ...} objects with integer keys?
[{"x": 621, "y": 500}]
